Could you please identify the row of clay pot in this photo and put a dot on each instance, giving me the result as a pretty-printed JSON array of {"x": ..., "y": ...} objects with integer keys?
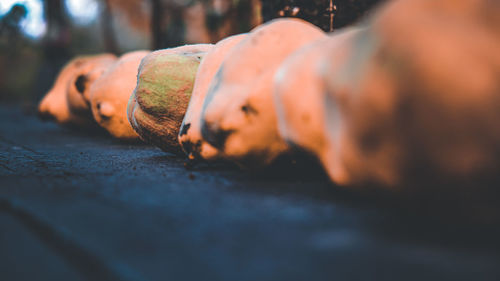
[{"x": 409, "y": 95}]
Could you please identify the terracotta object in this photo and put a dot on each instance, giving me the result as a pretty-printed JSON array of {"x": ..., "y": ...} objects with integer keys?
[
  {"x": 110, "y": 93},
  {"x": 299, "y": 92},
  {"x": 417, "y": 98},
  {"x": 80, "y": 82},
  {"x": 239, "y": 116},
  {"x": 160, "y": 99},
  {"x": 55, "y": 104},
  {"x": 190, "y": 133}
]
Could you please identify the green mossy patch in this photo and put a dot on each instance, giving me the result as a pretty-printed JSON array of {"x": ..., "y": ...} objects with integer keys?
[{"x": 165, "y": 83}]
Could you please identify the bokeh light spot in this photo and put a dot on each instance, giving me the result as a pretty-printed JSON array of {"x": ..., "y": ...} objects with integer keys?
[
  {"x": 34, "y": 24},
  {"x": 82, "y": 12}
]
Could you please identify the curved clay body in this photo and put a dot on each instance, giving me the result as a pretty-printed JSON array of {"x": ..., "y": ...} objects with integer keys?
[
  {"x": 110, "y": 93},
  {"x": 239, "y": 116},
  {"x": 299, "y": 92},
  {"x": 55, "y": 104},
  {"x": 164, "y": 85},
  {"x": 417, "y": 99},
  {"x": 79, "y": 84},
  {"x": 190, "y": 133}
]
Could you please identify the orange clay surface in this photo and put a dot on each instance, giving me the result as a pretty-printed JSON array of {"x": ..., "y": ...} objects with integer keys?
[
  {"x": 239, "y": 116},
  {"x": 402, "y": 111},
  {"x": 110, "y": 93},
  {"x": 300, "y": 91},
  {"x": 79, "y": 84},
  {"x": 190, "y": 133},
  {"x": 55, "y": 104}
]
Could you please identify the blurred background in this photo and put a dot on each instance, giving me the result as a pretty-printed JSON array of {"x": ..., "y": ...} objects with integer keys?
[{"x": 37, "y": 37}]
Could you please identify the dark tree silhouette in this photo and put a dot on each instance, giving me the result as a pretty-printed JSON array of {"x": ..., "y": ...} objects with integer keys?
[
  {"x": 10, "y": 22},
  {"x": 156, "y": 24},
  {"x": 326, "y": 14},
  {"x": 107, "y": 29},
  {"x": 57, "y": 37}
]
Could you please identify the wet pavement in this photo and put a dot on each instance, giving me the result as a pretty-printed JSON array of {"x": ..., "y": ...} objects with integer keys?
[{"x": 81, "y": 206}]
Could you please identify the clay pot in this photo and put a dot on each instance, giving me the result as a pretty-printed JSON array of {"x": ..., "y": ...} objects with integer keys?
[
  {"x": 56, "y": 105},
  {"x": 299, "y": 92},
  {"x": 79, "y": 85},
  {"x": 416, "y": 99},
  {"x": 110, "y": 93},
  {"x": 190, "y": 133},
  {"x": 164, "y": 85},
  {"x": 239, "y": 116}
]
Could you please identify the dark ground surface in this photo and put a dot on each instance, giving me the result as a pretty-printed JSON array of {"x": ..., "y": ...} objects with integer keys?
[{"x": 75, "y": 206}]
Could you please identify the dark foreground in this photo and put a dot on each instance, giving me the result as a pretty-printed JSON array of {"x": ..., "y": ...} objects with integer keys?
[{"x": 75, "y": 206}]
